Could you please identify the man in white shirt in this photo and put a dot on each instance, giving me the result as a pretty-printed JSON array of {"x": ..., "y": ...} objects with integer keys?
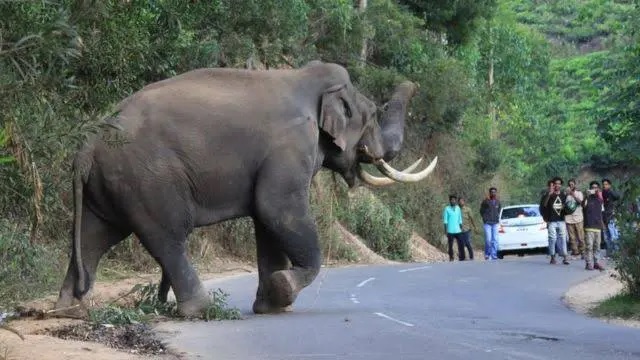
[{"x": 575, "y": 219}]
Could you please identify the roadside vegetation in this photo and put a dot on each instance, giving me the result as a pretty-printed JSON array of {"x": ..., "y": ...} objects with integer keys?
[
  {"x": 625, "y": 306},
  {"x": 144, "y": 306},
  {"x": 511, "y": 93}
]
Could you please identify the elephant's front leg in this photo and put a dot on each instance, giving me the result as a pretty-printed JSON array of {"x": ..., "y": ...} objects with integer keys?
[
  {"x": 283, "y": 209},
  {"x": 270, "y": 260}
]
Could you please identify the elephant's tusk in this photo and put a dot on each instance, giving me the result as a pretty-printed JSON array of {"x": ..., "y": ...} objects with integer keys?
[
  {"x": 383, "y": 181},
  {"x": 400, "y": 176}
]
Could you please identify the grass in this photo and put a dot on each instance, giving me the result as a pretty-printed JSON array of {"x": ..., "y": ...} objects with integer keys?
[
  {"x": 146, "y": 307},
  {"x": 623, "y": 306}
]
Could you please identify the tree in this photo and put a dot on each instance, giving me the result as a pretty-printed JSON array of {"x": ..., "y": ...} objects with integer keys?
[
  {"x": 619, "y": 107},
  {"x": 457, "y": 18}
]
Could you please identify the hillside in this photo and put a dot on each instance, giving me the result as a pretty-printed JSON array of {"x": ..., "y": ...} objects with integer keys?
[{"x": 575, "y": 27}]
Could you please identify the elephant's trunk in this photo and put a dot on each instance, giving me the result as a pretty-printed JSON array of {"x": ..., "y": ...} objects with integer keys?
[{"x": 393, "y": 119}]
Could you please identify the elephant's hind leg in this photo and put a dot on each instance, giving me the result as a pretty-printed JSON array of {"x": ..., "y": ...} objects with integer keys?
[
  {"x": 163, "y": 289},
  {"x": 270, "y": 260},
  {"x": 97, "y": 237},
  {"x": 168, "y": 249}
]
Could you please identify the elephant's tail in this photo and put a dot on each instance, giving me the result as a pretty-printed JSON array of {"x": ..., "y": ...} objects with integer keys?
[{"x": 81, "y": 167}]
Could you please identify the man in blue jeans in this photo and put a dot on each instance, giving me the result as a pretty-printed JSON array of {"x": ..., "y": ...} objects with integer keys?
[
  {"x": 452, "y": 219},
  {"x": 552, "y": 210},
  {"x": 490, "y": 212},
  {"x": 608, "y": 217}
]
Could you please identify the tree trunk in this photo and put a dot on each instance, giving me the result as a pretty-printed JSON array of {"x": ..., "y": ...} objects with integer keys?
[
  {"x": 492, "y": 106},
  {"x": 362, "y": 6}
]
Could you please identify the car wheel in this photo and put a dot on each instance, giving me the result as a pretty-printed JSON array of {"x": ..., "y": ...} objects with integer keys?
[
  {"x": 520, "y": 254},
  {"x": 500, "y": 255}
]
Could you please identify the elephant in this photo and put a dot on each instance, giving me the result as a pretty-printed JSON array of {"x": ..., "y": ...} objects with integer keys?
[{"x": 214, "y": 144}]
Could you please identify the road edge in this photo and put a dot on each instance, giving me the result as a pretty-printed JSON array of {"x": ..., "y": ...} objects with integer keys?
[{"x": 587, "y": 294}]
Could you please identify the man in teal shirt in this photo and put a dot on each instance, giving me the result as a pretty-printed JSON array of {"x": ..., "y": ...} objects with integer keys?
[{"x": 452, "y": 219}]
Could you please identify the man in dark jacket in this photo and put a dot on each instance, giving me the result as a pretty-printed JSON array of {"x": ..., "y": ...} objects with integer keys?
[
  {"x": 490, "y": 212},
  {"x": 593, "y": 224},
  {"x": 552, "y": 210},
  {"x": 610, "y": 197}
]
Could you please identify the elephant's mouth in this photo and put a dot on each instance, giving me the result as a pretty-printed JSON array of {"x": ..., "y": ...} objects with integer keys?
[{"x": 392, "y": 175}]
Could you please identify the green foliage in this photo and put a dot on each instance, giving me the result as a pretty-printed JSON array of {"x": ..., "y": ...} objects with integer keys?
[
  {"x": 382, "y": 227},
  {"x": 326, "y": 207},
  {"x": 27, "y": 271},
  {"x": 618, "y": 107},
  {"x": 4, "y": 139},
  {"x": 489, "y": 157},
  {"x": 146, "y": 306},
  {"x": 627, "y": 259},
  {"x": 218, "y": 309},
  {"x": 575, "y": 22},
  {"x": 624, "y": 306},
  {"x": 455, "y": 18}
]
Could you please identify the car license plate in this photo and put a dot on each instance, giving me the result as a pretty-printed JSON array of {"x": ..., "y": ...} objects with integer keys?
[
  {"x": 523, "y": 244},
  {"x": 522, "y": 229}
]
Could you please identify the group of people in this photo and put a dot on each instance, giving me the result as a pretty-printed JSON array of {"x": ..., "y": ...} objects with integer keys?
[
  {"x": 458, "y": 223},
  {"x": 573, "y": 219},
  {"x": 580, "y": 220}
]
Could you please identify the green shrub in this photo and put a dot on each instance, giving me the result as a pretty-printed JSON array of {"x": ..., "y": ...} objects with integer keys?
[
  {"x": 628, "y": 257},
  {"x": 27, "y": 270},
  {"x": 146, "y": 306},
  {"x": 629, "y": 262},
  {"x": 628, "y": 221},
  {"x": 623, "y": 305},
  {"x": 382, "y": 227}
]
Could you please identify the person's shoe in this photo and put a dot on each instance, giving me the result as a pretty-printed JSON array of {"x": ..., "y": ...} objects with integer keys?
[
  {"x": 553, "y": 260},
  {"x": 565, "y": 261},
  {"x": 598, "y": 267},
  {"x": 588, "y": 267}
]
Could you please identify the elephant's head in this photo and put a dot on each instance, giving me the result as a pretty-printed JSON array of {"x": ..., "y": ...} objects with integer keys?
[{"x": 353, "y": 135}]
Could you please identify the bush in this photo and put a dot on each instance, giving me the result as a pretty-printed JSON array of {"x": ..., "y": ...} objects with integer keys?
[
  {"x": 382, "y": 227},
  {"x": 629, "y": 261},
  {"x": 146, "y": 306},
  {"x": 27, "y": 270},
  {"x": 628, "y": 257}
]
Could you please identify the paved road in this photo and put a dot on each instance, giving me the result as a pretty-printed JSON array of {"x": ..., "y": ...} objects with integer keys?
[{"x": 510, "y": 309}]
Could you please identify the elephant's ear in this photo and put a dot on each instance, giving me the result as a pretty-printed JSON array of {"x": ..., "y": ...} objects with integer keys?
[{"x": 335, "y": 112}]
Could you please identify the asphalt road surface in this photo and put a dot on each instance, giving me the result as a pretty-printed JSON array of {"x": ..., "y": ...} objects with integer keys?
[{"x": 508, "y": 309}]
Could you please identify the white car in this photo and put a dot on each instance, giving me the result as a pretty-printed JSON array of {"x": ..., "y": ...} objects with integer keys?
[{"x": 521, "y": 230}]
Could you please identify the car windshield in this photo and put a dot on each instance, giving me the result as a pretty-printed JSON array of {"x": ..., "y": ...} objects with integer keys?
[{"x": 520, "y": 212}]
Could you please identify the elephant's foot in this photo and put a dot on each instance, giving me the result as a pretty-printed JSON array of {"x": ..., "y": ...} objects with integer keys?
[
  {"x": 262, "y": 306},
  {"x": 68, "y": 306},
  {"x": 195, "y": 306},
  {"x": 283, "y": 289}
]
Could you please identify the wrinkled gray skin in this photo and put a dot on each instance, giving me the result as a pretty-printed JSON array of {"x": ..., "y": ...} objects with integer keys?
[{"x": 217, "y": 144}]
